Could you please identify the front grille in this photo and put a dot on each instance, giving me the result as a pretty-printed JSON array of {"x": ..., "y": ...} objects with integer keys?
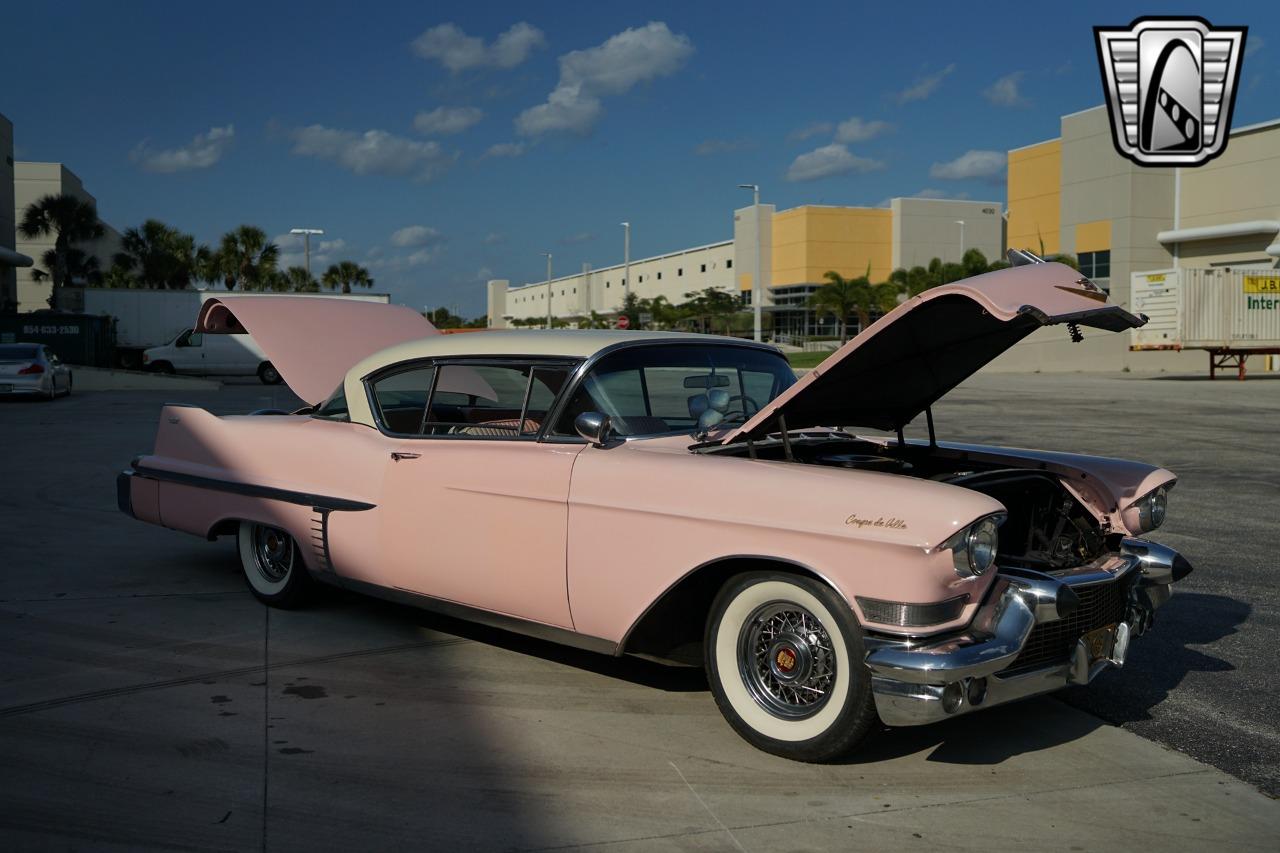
[{"x": 1052, "y": 642}]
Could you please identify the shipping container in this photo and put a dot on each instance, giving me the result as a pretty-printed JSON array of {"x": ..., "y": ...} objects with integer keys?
[
  {"x": 148, "y": 318},
  {"x": 1211, "y": 309}
]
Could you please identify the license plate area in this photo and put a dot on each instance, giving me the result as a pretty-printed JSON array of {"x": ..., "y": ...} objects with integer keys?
[
  {"x": 6, "y": 388},
  {"x": 1101, "y": 643}
]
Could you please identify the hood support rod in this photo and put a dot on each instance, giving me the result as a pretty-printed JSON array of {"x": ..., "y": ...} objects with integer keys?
[
  {"x": 786, "y": 438},
  {"x": 933, "y": 438}
]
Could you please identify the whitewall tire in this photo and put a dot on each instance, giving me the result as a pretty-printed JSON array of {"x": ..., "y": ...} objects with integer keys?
[
  {"x": 272, "y": 566},
  {"x": 784, "y": 658}
]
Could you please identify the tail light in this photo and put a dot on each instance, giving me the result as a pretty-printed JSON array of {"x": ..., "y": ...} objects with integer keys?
[{"x": 31, "y": 369}]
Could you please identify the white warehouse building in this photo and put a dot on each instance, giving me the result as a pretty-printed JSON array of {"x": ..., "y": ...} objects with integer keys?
[{"x": 798, "y": 247}]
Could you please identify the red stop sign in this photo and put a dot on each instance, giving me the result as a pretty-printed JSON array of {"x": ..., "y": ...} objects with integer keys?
[{"x": 624, "y": 322}]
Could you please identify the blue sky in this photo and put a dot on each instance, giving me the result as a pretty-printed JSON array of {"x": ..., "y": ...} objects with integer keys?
[{"x": 443, "y": 144}]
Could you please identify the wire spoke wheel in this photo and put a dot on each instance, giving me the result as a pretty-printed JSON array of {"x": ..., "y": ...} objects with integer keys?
[
  {"x": 787, "y": 660},
  {"x": 272, "y": 553}
]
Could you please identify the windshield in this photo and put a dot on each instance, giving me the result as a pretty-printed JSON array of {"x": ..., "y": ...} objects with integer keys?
[
  {"x": 646, "y": 390},
  {"x": 17, "y": 352}
]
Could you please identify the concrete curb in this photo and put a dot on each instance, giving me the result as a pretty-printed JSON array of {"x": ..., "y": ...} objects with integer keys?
[{"x": 106, "y": 379}]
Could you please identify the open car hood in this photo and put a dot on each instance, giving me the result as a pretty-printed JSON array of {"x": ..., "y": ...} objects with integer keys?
[
  {"x": 313, "y": 341},
  {"x": 912, "y": 356}
]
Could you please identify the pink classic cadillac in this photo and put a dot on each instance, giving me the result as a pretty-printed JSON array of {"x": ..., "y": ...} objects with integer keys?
[{"x": 684, "y": 498}]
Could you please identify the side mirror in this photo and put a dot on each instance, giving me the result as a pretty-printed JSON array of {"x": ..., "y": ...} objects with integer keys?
[{"x": 594, "y": 427}]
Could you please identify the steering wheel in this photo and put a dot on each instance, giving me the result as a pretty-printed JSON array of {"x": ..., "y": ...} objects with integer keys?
[{"x": 744, "y": 400}]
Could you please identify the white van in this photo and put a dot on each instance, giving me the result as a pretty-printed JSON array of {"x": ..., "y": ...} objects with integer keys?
[{"x": 198, "y": 354}]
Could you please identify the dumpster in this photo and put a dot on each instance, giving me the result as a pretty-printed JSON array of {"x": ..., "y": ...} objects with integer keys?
[{"x": 84, "y": 339}]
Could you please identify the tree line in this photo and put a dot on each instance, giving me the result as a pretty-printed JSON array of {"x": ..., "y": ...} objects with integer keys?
[
  {"x": 859, "y": 297},
  {"x": 158, "y": 256}
]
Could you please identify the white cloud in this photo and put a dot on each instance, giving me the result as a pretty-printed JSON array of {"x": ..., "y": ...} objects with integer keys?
[
  {"x": 710, "y": 147},
  {"x": 621, "y": 62},
  {"x": 818, "y": 128},
  {"x": 931, "y": 192},
  {"x": 1004, "y": 92},
  {"x": 504, "y": 149},
  {"x": 446, "y": 120},
  {"x": 205, "y": 150},
  {"x": 856, "y": 129},
  {"x": 829, "y": 160},
  {"x": 1255, "y": 44},
  {"x": 457, "y": 51},
  {"x": 493, "y": 238},
  {"x": 374, "y": 152},
  {"x": 293, "y": 252},
  {"x": 925, "y": 85},
  {"x": 416, "y": 235},
  {"x": 987, "y": 165}
]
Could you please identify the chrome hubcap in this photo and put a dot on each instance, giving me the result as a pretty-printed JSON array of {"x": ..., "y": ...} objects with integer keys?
[
  {"x": 787, "y": 660},
  {"x": 272, "y": 552}
]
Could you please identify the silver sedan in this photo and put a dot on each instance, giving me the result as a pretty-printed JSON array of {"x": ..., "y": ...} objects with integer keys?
[{"x": 32, "y": 369}]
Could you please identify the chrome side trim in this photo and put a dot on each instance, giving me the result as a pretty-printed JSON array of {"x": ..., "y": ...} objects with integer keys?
[
  {"x": 906, "y": 615},
  {"x": 323, "y": 502},
  {"x": 503, "y": 621}
]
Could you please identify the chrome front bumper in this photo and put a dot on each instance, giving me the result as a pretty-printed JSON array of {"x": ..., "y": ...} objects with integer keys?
[{"x": 923, "y": 681}]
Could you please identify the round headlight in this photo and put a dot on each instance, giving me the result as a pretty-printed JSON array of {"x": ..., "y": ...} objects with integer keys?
[
  {"x": 1159, "y": 505},
  {"x": 984, "y": 538}
]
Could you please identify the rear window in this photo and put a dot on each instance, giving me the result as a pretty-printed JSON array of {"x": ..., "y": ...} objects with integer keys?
[{"x": 17, "y": 352}]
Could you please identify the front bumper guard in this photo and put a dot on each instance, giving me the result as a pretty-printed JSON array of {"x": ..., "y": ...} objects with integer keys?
[{"x": 916, "y": 682}]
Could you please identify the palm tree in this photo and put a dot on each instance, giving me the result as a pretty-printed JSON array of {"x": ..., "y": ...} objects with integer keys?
[
  {"x": 300, "y": 281},
  {"x": 247, "y": 258},
  {"x": 73, "y": 220},
  {"x": 841, "y": 297},
  {"x": 346, "y": 274},
  {"x": 208, "y": 265},
  {"x": 161, "y": 257},
  {"x": 80, "y": 267}
]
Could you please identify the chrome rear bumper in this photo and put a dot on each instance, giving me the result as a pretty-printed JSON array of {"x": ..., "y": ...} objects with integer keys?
[{"x": 922, "y": 681}]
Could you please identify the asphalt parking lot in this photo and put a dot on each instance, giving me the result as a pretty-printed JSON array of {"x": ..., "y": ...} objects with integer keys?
[{"x": 147, "y": 701}]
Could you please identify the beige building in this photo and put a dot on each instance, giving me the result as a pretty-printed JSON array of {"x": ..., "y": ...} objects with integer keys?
[
  {"x": 795, "y": 248},
  {"x": 10, "y": 259},
  {"x": 1076, "y": 195},
  {"x": 31, "y": 182}
]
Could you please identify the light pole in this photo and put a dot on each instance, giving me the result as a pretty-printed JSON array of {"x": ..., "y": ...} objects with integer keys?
[
  {"x": 626, "y": 262},
  {"x": 960, "y": 222},
  {"x": 306, "y": 236},
  {"x": 548, "y": 257},
  {"x": 757, "y": 292}
]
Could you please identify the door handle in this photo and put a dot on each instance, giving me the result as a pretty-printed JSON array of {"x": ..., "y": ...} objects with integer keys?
[{"x": 398, "y": 455}]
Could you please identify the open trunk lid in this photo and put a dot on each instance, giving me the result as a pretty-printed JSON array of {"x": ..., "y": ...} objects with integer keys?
[
  {"x": 912, "y": 356},
  {"x": 312, "y": 342}
]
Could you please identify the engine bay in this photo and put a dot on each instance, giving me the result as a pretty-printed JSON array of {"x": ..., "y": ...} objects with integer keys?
[{"x": 1047, "y": 527}]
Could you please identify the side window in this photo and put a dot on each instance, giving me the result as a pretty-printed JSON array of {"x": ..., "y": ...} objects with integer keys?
[
  {"x": 401, "y": 399},
  {"x": 492, "y": 400},
  {"x": 192, "y": 339}
]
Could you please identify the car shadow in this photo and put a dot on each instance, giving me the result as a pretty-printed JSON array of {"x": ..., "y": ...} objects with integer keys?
[
  {"x": 1163, "y": 657},
  {"x": 670, "y": 678}
]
